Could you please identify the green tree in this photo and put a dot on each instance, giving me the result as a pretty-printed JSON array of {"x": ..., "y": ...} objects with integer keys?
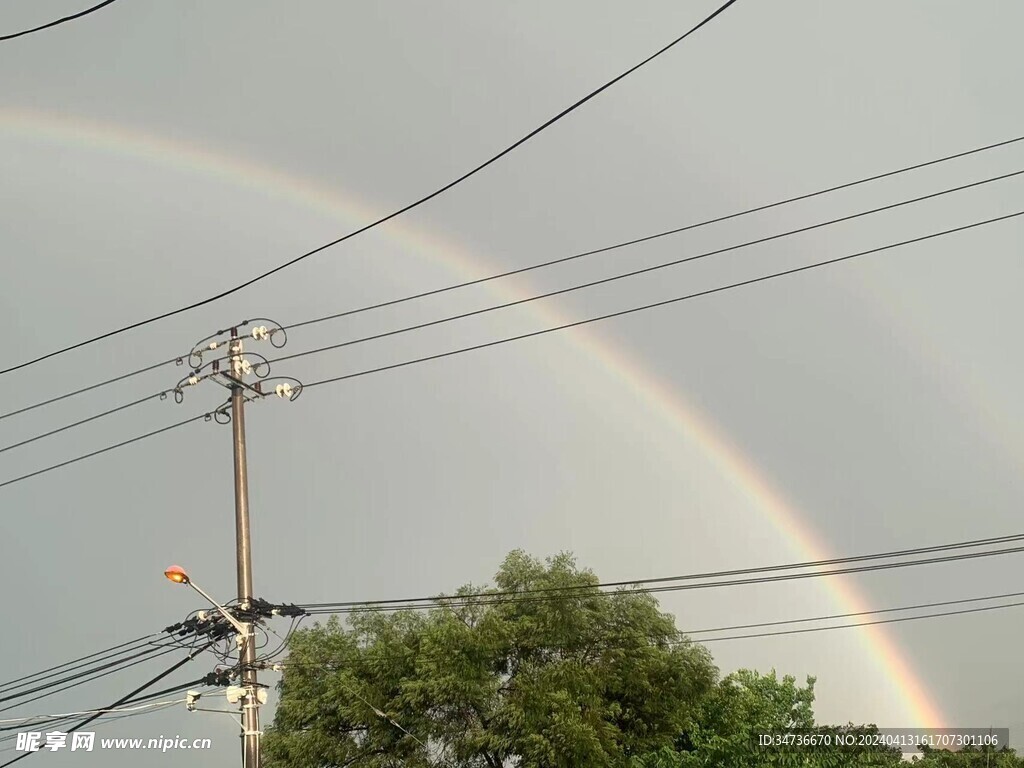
[
  {"x": 970, "y": 757},
  {"x": 571, "y": 677},
  {"x": 747, "y": 704}
]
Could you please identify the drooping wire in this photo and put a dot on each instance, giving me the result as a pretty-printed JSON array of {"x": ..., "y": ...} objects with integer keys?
[
  {"x": 128, "y": 698},
  {"x": 549, "y": 294},
  {"x": 603, "y": 249},
  {"x": 81, "y": 678},
  {"x": 641, "y": 271},
  {"x": 63, "y": 20},
  {"x": 857, "y": 614},
  {"x": 27, "y": 720},
  {"x": 654, "y": 305},
  {"x": 415, "y": 204},
  {"x": 89, "y": 388},
  {"x": 292, "y": 629},
  {"x": 668, "y": 639},
  {"x": 102, "y": 721},
  {"x": 656, "y": 236},
  {"x": 541, "y": 332},
  {"x": 113, "y": 447},
  {"x": 898, "y": 620},
  {"x": 483, "y": 599},
  {"x": 137, "y": 641},
  {"x": 96, "y": 417},
  {"x": 700, "y": 576},
  {"x": 97, "y": 664}
]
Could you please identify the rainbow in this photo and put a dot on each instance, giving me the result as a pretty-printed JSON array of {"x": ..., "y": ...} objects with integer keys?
[{"x": 664, "y": 402}]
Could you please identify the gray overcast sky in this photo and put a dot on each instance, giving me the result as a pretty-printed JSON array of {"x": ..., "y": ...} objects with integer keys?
[{"x": 155, "y": 153}]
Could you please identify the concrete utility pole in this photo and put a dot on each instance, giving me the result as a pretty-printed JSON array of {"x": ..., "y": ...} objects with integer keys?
[
  {"x": 243, "y": 554},
  {"x": 230, "y": 371}
]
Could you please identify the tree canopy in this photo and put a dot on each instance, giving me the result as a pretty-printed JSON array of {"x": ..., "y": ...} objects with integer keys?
[{"x": 542, "y": 670}]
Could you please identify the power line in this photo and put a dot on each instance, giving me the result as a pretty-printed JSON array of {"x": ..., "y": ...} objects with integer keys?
[
  {"x": 104, "y": 652},
  {"x": 129, "y": 656},
  {"x": 542, "y": 332},
  {"x": 898, "y": 620},
  {"x": 655, "y": 305},
  {"x": 837, "y": 616},
  {"x": 644, "y": 270},
  {"x": 91, "y": 387},
  {"x": 648, "y": 238},
  {"x": 113, "y": 447},
  {"x": 105, "y": 720},
  {"x": 127, "y": 698},
  {"x": 385, "y": 717},
  {"x": 549, "y": 294},
  {"x": 576, "y": 105},
  {"x": 552, "y": 262},
  {"x": 749, "y": 571},
  {"x": 172, "y": 689},
  {"x": 74, "y": 681},
  {"x": 90, "y": 666},
  {"x": 97, "y": 665},
  {"x": 96, "y": 417},
  {"x": 72, "y": 17},
  {"x": 483, "y": 599},
  {"x": 666, "y": 638},
  {"x": 26, "y": 720}
]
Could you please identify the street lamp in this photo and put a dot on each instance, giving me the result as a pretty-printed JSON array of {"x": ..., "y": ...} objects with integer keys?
[
  {"x": 249, "y": 694},
  {"x": 178, "y": 575}
]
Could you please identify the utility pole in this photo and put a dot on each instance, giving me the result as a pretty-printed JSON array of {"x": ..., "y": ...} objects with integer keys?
[
  {"x": 243, "y": 556},
  {"x": 230, "y": 371}
]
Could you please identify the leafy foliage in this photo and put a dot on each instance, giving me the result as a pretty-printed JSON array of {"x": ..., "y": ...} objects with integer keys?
[
  {"x": 970, "y": 757},
  {"x": 575, "y": 678},
  {"x": 740, "y": 708},
  {"x": 572, "y": 677}
]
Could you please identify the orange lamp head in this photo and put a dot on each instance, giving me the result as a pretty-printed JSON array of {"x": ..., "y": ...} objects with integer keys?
[{"x": 176, "y": 574}]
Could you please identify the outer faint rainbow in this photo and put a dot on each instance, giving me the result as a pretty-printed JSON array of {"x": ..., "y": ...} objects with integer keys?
[{"x": 668, "y": 404}]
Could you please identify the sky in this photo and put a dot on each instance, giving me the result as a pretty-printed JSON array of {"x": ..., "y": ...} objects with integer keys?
[{"x": 153, "y": 154}]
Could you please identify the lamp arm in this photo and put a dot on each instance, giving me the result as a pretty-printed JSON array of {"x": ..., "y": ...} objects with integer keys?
[{"x": 243, "y": 630}]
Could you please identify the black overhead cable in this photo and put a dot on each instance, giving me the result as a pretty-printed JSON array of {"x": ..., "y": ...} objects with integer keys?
[
  {"x": 90, "y": 388},
  {"x": 886, "y": 555},
  {"x": 383, "y": 219},
  {"x": 656, "y": 236},
  {"x": 655, "y": 305},
  {"x": 105, "y": 652},
  {"x": 483, "y": 599},
  {"x": 667, "y": 638},
  {"x": 50, "y": 721},
  {"x": 81, "y": 678},
  {"x": 63, "y": 20},
  {"x": 898, "y": 620},
  {"x": 167, "y": 691},
  {"x": 542, "y": 332},
  {"x": 641, "y": 271},
  {"x": 124, "y": 699},
  {"x": 550, "y": 294},
  {"x": 95, "y": 417},
  {"x": 90, "y": 666},
  {"x": 855, "y": 614},
  {"x": 509, "y": 273},
  {"x": 105, "y": 718},
  {"x": 113, "y": 447}
]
